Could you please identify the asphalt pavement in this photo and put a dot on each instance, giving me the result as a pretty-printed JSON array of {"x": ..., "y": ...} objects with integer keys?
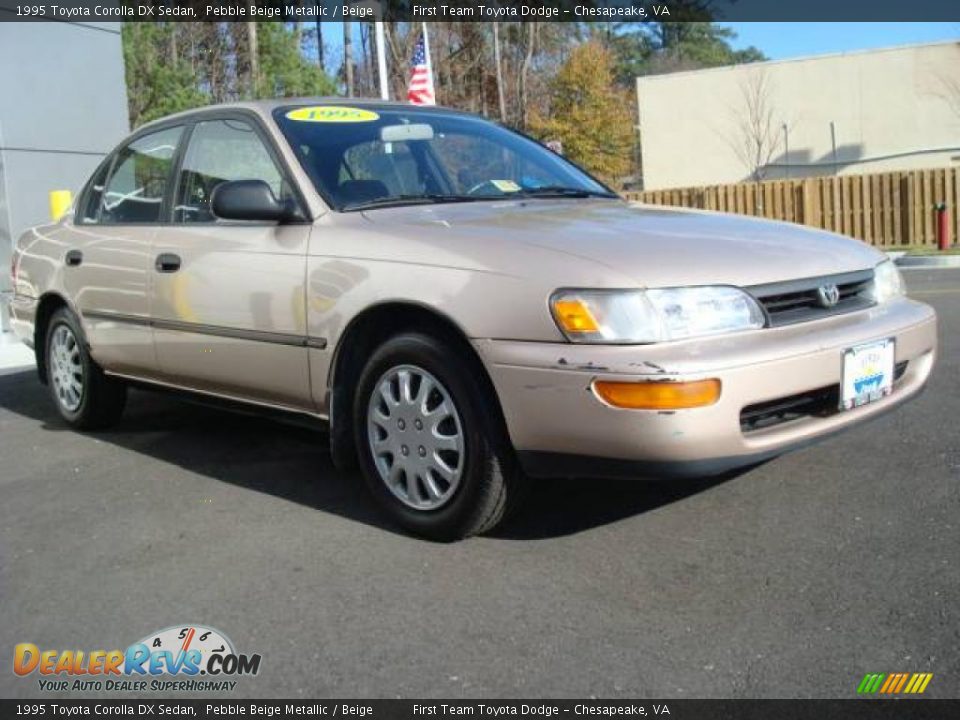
[{"x": 791, "y": 580}]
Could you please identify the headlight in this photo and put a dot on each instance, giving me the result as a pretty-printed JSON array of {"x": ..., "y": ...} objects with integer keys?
[
  {"x": 887, "y": 282},
  {"x": 648, "y": 316}
]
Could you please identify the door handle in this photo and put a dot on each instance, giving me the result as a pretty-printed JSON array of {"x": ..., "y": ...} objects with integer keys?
[
  {"x": 73, "y": 258},
  {"x": 167, "y": 263}
]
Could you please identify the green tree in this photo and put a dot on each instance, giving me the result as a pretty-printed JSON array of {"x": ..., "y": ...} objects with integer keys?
[
  {"x": 178, "y": 66},
  {"x": 283, "y": 69},
  {"x": 157, "y": 84},
  {"x": 589, "y": 114},
  {"x": 655, "y": 48}
]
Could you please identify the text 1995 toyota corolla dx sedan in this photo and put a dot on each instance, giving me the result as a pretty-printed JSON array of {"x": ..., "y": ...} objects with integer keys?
[{"x": 464, "y": 307}]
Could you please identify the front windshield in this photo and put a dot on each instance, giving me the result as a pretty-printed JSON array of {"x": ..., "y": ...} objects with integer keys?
[{"x": 360, "y": 158}]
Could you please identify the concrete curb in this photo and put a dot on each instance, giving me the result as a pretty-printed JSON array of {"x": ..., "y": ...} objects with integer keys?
[{"x": 928, "y": 261}]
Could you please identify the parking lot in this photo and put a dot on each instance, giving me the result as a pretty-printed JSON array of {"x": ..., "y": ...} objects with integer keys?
[{"x": 791, "y": 580}]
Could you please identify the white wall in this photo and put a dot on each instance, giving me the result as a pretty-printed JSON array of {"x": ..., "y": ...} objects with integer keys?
[
  {"x": 892, "y": 109},
  {"x": 63, "y": 106}
]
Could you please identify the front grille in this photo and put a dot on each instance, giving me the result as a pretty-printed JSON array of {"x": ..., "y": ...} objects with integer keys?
[
  {"x": 796, "y": 301},
  {"x": 821, "y": 402}
]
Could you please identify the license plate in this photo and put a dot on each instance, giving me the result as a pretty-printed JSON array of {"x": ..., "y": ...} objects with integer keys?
[{"x": 867, "y": 373}]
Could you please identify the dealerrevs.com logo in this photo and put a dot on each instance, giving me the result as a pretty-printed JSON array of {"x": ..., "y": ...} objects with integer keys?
[{"x": 186, "y": 658}]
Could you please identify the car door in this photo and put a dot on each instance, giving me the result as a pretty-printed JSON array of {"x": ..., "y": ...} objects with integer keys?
[
  {"x": 228, "y": 299},
  {"x": 107, "y": 250}
]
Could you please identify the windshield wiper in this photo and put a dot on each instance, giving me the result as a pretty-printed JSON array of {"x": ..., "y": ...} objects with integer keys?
[
  {"x": 562, "y": 191},
  {"x": 546, "y": 191},
  {"x": 401, "y": 200}
]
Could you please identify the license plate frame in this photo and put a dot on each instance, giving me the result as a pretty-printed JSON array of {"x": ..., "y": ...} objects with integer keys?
[{"x": 867, "y": 373}]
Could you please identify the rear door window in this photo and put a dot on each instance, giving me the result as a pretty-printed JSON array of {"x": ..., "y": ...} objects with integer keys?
[{"x": 140, "y": 178}]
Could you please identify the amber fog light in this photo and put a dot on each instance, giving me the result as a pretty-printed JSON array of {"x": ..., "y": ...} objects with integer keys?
[{"x": 658, "y": 395}]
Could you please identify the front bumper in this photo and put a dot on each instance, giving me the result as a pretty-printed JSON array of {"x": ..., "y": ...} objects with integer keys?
[{"x": 559, "y": 427}]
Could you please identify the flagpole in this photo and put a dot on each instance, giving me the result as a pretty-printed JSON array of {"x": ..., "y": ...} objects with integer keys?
[
  {"x": 426, "y": 51},
  {"x": 381, "y": 60}
]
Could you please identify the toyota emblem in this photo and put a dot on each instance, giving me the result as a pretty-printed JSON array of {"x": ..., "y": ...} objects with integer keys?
[{"x": 828, "y": 295}]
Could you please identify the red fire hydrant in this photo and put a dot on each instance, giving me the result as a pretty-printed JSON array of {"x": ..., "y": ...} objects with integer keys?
[{"x": 943, "y": 226}]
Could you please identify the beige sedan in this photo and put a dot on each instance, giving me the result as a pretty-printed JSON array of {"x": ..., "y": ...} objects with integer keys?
[{"x": 462, "y": 307}]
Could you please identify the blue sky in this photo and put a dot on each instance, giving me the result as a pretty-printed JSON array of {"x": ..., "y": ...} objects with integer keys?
[{"x": 788, "y": 40}]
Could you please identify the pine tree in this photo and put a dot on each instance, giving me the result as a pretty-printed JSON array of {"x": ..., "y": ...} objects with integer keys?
[
  {"x": 179, "y": 66},
  {"x": 590, "y": 114},
  {"x": 158, "y": 81}
]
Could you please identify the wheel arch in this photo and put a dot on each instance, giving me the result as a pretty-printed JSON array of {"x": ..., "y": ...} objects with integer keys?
[
  {"x": 49, "y": 303},
  {"x": 363, "y": 334}
]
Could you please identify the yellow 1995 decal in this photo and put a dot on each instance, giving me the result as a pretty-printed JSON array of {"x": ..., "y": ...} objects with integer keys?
[{"x": 332, "y": 114}]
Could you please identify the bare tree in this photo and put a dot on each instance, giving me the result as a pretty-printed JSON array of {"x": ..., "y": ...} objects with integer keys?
[
  {"x": 948, "y": 90},
  {"x": 348, "y": 56},
  {"x": 756, "y": 135},
  {"x": 401, "y": 38},
  {"x": 522, "y": 96},
  {"x": 499, "y": 65},
  {"x": 253, "y": 52},
  {"x": 366, "y": 74}
]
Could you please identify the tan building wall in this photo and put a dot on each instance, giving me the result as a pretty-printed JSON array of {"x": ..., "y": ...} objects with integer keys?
[{"x": 891, "y": 109}]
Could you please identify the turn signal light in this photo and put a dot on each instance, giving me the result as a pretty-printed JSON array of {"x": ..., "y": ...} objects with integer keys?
[
  {"x": 575, "y": 317},
  {"x": 658, "y": 395}
]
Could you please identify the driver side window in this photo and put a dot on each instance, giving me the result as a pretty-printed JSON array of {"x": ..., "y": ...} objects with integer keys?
[{"x": 222, "y": 150}]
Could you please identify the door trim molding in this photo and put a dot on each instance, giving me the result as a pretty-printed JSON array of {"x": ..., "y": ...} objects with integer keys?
[
  {"x": 227, "y": 397},
  {"x": 275, "y": 338}
]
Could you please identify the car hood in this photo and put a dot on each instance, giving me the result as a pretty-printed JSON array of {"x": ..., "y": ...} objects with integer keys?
[{"x": 644, "y": 245}]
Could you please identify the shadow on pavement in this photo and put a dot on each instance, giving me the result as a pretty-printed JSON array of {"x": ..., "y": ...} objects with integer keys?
[{"x": 292, "y": 462}]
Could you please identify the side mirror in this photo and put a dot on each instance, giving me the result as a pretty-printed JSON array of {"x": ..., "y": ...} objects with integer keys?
[{"x": 247, "y": 200}]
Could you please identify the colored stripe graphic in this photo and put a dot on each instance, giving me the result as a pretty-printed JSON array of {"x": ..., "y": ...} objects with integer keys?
[
  {"x": 871, "y": 683},
  {"x": 894, "y": 683},
  {"x": 900, "y": 683},
  {"x": 920, "y": 682}
]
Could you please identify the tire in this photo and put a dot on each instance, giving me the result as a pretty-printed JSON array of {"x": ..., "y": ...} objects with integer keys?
[
  {"x": 84, "y": 396},
  {"x": 445, "y": 411}
]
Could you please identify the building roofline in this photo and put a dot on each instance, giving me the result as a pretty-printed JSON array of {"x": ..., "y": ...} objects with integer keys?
[{"x": 804, "y": 58}]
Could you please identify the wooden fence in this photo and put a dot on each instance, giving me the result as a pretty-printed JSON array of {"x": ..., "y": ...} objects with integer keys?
[{"x": 885, "y": 209}]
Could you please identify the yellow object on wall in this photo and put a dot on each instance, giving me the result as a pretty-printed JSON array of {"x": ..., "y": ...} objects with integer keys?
[{"x": 60, "y": 202}]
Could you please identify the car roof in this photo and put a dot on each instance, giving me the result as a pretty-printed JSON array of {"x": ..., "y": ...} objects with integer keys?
[{"x": 266, "y": 107}]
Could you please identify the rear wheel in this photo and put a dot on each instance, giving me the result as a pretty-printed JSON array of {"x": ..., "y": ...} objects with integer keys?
[
  {"x": 433, "y": 451},
  {"x": 85, "y": 397}
]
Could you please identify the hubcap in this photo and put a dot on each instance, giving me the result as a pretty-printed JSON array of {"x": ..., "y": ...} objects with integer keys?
[
  {"x": 415, "y": 437},
  {"x": 66, "y": 368}
]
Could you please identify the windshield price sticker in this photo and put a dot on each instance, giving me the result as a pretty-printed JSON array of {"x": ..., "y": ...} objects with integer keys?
[{"x": 332, "y": 114}]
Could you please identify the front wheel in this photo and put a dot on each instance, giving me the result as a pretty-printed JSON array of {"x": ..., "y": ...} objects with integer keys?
[
  {"x": 433, "y": 451},
  {"x": 85, "y": 397}
]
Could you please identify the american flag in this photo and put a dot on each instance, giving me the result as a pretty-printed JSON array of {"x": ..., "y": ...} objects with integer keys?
[{"x": 420, "y": 90}]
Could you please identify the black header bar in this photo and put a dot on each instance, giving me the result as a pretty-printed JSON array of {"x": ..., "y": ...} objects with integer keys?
[
  {"x": 217, "y": 709},
  {"x": 481, "y": 10}
]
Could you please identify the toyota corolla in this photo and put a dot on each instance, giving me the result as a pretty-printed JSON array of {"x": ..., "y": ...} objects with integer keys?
[{"x": 463, "y": 308}]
